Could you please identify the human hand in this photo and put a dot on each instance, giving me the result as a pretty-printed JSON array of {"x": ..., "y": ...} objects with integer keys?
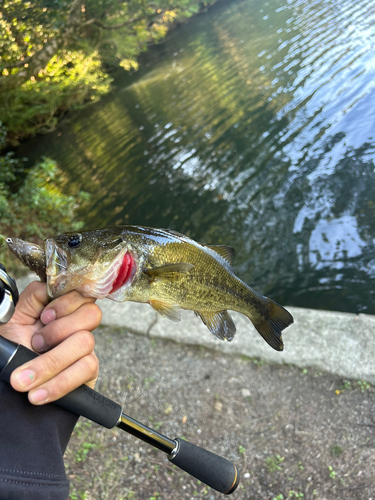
[{"x": 61, "y": 330}]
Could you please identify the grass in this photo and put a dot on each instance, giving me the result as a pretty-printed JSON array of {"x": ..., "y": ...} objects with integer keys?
[{"x": 274, "y": 463}]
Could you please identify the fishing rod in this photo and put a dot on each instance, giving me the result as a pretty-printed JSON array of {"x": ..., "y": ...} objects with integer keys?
[{"x": 213, "y": 470}]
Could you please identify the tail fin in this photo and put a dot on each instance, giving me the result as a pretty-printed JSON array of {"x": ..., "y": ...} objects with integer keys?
[{"x": 271, "y": 325}]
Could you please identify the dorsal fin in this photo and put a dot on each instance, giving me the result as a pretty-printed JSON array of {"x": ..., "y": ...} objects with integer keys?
[{"x": 224, "y": 251}]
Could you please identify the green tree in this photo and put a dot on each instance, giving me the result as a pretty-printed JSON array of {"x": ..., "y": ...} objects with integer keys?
[
  {"x": 38, "y": 209},
  {"x": 32, "y": 32},
  {"x": 51, "y": 52}
]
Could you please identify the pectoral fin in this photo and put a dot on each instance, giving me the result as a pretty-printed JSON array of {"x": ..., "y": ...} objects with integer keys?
[
  {"x": 219, "y": 323},
  {"x": 168, "y": 272},
  {"x": 170, "y": 311}
]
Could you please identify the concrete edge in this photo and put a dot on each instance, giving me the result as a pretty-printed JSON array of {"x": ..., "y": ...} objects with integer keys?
[{"x": 338, "y": 343}]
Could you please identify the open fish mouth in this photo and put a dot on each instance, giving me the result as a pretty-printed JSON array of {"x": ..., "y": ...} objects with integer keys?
[
  {"x": 95, "y": 279},
  {"x": 56, "y": 267}
]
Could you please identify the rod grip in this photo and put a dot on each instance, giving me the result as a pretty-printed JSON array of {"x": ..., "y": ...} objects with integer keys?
[
  {"x": 82, "y": 401},
  {"x": 213, "y": 470}
]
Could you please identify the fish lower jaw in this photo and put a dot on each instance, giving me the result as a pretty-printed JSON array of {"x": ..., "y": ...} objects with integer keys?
[
  {"x": 87, "y": 288},
  {"x": 62, "y": 284},
  {"x": 91, "y": 288},
  {"x": 55, "y": 286}
]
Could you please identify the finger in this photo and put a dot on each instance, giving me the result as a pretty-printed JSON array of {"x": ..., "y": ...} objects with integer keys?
[
  {"x": 45, "y": 367},
  {"x": 83, "y": 371},
  {"x": 64, "y": 305},
  {"x": 87, "y": 317},
  {"x": 31, "y": 303}
]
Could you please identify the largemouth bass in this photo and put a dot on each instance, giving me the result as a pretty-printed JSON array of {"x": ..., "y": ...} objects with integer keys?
[{"x": 161, "y": 267}]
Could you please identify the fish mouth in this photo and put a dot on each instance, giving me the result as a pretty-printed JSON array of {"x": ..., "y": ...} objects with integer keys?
[
  {"x": 95, "y": 279},
  {"x": 56, "y": 267}
]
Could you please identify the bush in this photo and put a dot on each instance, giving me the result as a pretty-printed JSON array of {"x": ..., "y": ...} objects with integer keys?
[
  {"x": 68, "y": 82},
  {"x": 39, "y": 209}
]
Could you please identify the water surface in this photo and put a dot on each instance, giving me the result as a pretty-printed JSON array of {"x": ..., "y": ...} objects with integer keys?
[{"x": 252, "y": 126}]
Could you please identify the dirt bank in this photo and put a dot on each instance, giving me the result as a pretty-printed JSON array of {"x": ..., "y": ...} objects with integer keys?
[{"x": 294, "y": 433}]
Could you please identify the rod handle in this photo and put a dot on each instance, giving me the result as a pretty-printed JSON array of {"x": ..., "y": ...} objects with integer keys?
[
  {"x": 82, "y": 401},
  {"x": 213, "y": 470}
]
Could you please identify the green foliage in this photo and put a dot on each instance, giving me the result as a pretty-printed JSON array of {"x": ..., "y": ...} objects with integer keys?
[
  {"x": 274, "y": 463},
  {"x": 84, "y": 451},
  {"x": 151, "y": 22},
  {"x": 52, "y": 58},
  {"x": 332, "y": 473},
  {"x": 291, "y": 494},
  {"x": 39, "y": 208},
  {"x": 347, "y": 385},
  {"x": 69, "y": 81},
  {"x": 10, "y": 167},
  {"x": 25, "y": 26},
  {"x": 295, "y": 494},
  {"x": 363, "y": 385},
  {"x": 336, "y": 450}
]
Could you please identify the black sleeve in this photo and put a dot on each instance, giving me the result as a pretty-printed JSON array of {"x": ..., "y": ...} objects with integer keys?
[{"x": 32, "y": 443}]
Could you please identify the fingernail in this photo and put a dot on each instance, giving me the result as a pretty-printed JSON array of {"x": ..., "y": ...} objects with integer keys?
[
  {"x": 38, "y": 343},
  {"x": 26, "y": 378},
  {"x": 38, "y": 396},
  {"x": 48, "y": 316}
]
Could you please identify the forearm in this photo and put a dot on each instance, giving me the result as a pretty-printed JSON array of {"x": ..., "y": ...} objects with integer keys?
[
  {"x": 32, "y": 440},
  {"x": 33, "y": 437}
]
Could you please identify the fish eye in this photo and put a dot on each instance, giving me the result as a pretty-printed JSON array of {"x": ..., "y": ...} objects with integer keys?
[{"x": 74, "y": 240}]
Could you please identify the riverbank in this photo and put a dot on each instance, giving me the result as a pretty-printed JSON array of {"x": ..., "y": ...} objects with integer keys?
[
  {"x": 338, "y": 343},
  {"x": 334, "y": 342},
  {"x": 293, "y": 433}
]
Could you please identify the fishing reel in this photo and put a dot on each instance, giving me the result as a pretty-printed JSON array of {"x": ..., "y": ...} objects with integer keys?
[{"x": 8, "y": 296}]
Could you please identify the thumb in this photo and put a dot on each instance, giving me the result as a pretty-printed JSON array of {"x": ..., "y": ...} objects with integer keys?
[{"x": 31, "y": 303}]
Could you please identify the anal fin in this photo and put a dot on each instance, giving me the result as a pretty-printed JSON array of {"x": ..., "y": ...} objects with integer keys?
[{"x": 219, "y": 323}]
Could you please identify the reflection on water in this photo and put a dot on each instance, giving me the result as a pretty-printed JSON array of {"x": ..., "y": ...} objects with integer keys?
[{"x": 252, "y": 126}]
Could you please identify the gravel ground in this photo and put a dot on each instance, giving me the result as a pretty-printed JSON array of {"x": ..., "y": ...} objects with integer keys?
[{"x": 293, "y": 433}]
